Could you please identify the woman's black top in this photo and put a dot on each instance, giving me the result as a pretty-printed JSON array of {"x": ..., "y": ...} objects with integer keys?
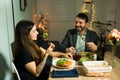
[{"x": 22, "y": 58}]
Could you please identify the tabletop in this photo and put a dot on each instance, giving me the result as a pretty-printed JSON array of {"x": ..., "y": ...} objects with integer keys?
[{"x": 114, "y": 73}]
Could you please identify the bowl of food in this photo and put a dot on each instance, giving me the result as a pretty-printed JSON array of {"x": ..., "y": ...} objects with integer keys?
[
  {"x": 63, "y": 63},
  {"x": 86, "y": 56}
]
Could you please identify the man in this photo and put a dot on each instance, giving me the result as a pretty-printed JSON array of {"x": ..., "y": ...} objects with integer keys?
[{"x": 80, "y": 38}]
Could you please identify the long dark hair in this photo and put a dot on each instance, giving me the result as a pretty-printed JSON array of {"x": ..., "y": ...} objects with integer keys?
[{"x": 22, "y": 38}]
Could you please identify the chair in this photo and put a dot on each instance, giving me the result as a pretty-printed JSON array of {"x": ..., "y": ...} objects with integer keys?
[{"x": 16, "y": 71}]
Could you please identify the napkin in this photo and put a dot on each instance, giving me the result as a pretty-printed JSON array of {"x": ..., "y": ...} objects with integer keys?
[{"x": 64, "y": 73}]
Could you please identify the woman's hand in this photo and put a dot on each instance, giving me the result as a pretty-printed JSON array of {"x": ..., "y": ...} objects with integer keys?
[
  {"x": 71, "y": 50},
  {"x": 68, "y": 55},
  {"x": 50, "y": 48},
  {"x": 51, "y": 45}
]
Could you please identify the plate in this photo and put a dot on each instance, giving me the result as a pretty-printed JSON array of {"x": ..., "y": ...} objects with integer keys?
[
  {"x": 54, "y": 63},
  {"x": 97, "y": 66}
]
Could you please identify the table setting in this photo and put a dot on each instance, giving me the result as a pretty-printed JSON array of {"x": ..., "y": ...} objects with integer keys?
[
  {"x": 88, "y": 70},
  {"x": 113, "y": 73},
  {"x": 65, "y": 68}
]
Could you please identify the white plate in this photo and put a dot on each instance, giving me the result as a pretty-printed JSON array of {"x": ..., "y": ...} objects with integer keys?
[
  {"x": 71, "y": 66},
  {"x": 97, "y": 66}
]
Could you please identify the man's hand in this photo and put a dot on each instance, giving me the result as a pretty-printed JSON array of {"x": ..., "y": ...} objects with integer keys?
[{"x": 92, "y": 46}]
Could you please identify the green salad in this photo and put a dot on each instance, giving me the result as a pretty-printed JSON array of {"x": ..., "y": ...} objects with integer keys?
[
  {"x": 86, "y": 56},
  {"x": 63, "y": 62}
]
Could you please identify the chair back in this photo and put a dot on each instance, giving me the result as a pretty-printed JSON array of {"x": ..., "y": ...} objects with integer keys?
[{"x": 16, "y": 71}]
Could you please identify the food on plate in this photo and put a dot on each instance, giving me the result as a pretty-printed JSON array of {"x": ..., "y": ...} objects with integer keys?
[
  {"x": 63, "y": 62},
  {"x": 86, "y": 56},
  {"x": 90, "y": 55},
  {"x": 82, "y": 59}
]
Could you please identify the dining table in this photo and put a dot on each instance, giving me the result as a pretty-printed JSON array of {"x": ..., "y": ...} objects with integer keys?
[{"x": 114, "y": 74}]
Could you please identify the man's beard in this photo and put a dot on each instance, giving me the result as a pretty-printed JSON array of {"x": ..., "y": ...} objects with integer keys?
[{"x": 79, "y": 29}]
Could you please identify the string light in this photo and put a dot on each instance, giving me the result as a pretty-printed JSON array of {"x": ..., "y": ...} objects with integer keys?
[{"x": 85, "y": 10}]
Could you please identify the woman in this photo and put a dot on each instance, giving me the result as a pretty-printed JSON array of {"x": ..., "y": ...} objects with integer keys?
[{"x": 28, "y": 57}]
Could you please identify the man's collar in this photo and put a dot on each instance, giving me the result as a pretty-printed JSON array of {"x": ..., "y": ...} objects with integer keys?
[{"x": 78, "y": 33}]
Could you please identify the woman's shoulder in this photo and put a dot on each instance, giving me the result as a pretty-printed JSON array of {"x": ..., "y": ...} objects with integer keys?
[
  {"x": 22, "y": 52},
  {"x": 23, "y": 56}
]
